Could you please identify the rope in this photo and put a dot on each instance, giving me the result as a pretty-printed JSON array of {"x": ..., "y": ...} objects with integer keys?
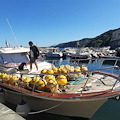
[
  {"x": 40, "y": 110},
  {"x": 46, "y": 109},
  {"x": 31, "y": 113}
]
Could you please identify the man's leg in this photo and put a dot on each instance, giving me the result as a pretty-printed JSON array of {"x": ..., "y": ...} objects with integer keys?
[
  {"x": 36, "y": 66},
  {"x": 30, "y": 66}
]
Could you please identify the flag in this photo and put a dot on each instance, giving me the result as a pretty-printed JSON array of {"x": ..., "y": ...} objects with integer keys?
[{"x": 7, "y": 45}]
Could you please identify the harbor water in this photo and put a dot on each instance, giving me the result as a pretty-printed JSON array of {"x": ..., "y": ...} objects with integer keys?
[{"x": 109, "y": 111}]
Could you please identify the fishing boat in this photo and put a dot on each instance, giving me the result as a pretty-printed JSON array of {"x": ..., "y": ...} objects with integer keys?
[{"x": 69, "y": 90}]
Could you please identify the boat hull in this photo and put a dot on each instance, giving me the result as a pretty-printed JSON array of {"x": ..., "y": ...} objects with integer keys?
[{"x": 74, "y": 108}]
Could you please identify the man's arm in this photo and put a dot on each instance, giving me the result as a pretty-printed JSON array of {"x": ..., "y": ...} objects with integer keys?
[{"x": 37, "y": 51}]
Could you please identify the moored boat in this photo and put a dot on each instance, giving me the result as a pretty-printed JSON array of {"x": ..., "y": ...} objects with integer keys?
[
  {"x": 12, "y": 58},
  {"x": 69, "y": 90}
]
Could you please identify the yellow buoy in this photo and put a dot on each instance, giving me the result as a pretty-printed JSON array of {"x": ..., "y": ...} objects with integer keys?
[
  {"x": 62, "y": 66},
  {"x": 6, "y": 78},
  {"x": 44, "y": 71},
  {"x": 59, "y": 70},
  {"x": 23, "y": 78},
  {"x": 55, "y": 69},
  {"x": 50, "y": 71},
  {"x": 35, "y": 79},
  {"x": 77, "y": 70},
  {"x": 26, "y": 81},
  {"x": 67, "y": 66},
  {"x": 61, "y": 79},
  {"x": 63, "y": 70},
  {"x": 0, "y": 75},
  {"x": 77, "y": 67},
  {"x": 14, "y": 79},
  {"x": 84, "y": 68},
  {"x": 48, "y": 77},
  {"x": 40, "y": 85},
  {"x": 71, "y": 69},
  {"x": 52, "y": 85},
  {"x": 4, "y": 75}
]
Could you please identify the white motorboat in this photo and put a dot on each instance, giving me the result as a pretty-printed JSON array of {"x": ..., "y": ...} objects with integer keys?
[
  {"x": 69, "y": 51},
  {"x": 105, "y": 52},
  {"x": 53, "y": 53},
  {"x": 83, "y": 53},
  {"x": 11, "y": 58},
  {"x": 79, "y": 93}
]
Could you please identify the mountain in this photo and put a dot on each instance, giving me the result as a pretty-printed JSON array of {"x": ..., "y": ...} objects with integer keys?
[{"x": 99, "y": 41}]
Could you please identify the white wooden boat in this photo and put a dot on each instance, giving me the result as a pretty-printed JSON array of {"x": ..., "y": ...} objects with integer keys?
[{"x": 81, "y": 96}]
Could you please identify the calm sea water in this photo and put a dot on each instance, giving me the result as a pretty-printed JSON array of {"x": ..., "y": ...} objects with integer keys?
[{"x": 109, "y": 111}]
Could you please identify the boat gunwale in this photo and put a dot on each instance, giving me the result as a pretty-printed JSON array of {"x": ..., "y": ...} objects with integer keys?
[{"x": 91, "y": 95}]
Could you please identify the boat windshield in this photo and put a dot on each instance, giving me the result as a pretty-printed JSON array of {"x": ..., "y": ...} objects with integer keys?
[{"x": 14, "y": 58}]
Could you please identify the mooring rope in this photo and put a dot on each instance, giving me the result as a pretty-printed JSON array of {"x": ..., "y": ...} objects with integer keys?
[{"x": 46, "y": 109}]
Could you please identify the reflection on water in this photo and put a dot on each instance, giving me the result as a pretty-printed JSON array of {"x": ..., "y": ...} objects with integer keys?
[
  {"x": 109, "y": 111},
  {"x": 46, "y": 116}
]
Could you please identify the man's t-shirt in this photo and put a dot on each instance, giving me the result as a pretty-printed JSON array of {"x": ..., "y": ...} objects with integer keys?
[{"x": 34, "y": 52}]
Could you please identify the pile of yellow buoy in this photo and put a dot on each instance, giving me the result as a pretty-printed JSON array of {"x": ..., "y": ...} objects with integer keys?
[{"x": 48, "y": 80}]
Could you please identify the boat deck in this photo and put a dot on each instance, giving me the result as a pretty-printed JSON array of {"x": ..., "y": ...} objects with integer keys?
[{"x": 95, "y": 83}]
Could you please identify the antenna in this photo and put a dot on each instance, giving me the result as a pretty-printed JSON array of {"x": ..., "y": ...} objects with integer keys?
[{"x": 12, "y": 31}]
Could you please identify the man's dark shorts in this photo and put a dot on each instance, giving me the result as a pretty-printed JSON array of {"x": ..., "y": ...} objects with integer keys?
[{"x": 32, "y": 60}]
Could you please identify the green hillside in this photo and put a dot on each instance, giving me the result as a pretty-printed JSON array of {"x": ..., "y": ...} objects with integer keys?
[{"x": 99, "y": 41}]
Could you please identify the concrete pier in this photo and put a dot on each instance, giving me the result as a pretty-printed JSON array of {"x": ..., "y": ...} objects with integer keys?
[{"x": 8, "y": 114}]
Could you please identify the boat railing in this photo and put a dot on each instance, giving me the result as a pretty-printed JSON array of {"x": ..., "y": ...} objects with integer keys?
[{"x": 86, "y": 73}]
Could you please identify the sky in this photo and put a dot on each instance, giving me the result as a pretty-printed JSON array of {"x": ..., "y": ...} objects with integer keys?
[{"x": 50, "y": 22}]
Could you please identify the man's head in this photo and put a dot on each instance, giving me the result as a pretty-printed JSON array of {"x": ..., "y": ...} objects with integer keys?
[{"x": 30, "y": 43}]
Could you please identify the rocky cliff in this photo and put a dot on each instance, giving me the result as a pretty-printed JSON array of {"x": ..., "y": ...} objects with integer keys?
[{"x": 99, "y": 41}]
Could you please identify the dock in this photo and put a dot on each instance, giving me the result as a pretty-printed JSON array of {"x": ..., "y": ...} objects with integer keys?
[{"x": 8, "y": 114}]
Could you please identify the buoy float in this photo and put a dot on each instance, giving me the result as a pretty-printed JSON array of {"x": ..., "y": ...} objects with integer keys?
[
  {"x": 48, "y": 77},
  {"x": 23, "y": 109},
  {"x": 55, "y": 69},
  {"x": 63, "y": 70},
  {"x": 44, "y": 71},
  {"x": 50, "y": 71},
  {"x": 67, "y": 66},
  {"x": 40, "y": 85},
  {"x": 35, "y": 79},
  {"x": 14, "y": 79},
  {"x": 84, "y": 68},
  {"x": 71, "y": 69},
  {"x": 52, "y": 85},
  {"x": 26, "y": 81},
  {"x": 61, "y": 79},
  {"x": 77, "y": 70}
]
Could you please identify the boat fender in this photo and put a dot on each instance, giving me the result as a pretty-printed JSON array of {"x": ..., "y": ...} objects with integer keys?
[
  {"x": 23, "y": 109},
  {"x": 117, "y": 97},
  {"x": 21, "y": 66}
]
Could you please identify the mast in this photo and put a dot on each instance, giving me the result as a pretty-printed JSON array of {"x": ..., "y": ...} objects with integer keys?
[{"x": 12, "y": 31}]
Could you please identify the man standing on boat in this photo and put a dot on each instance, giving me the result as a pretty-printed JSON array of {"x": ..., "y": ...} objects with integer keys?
[{"x": 34, "y": 55}]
